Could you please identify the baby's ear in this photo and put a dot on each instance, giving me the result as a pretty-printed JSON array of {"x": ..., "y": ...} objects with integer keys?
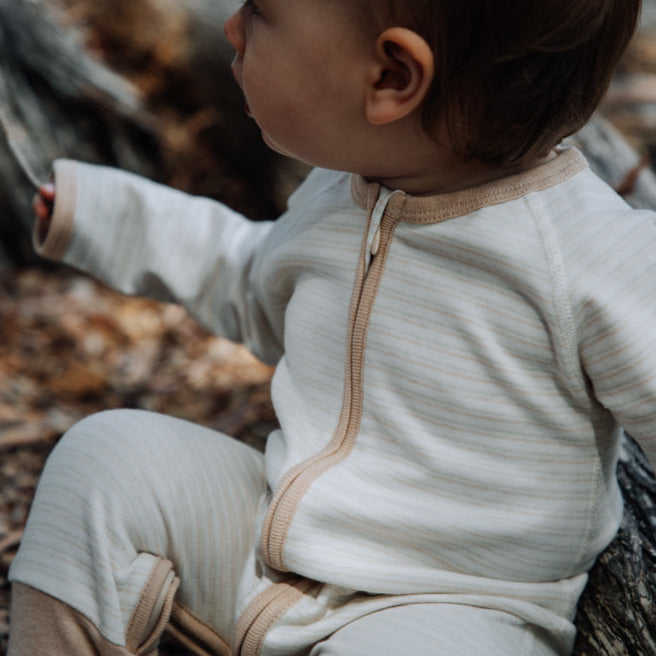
[{"x": 401, "y": 77}]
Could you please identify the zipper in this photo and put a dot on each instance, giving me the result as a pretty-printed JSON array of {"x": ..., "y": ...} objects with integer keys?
[
  {"x": 375, "y": 244},
  {"x": 297, "y": 480},
  {"x": 372, "y": 244},
  {"x": 271, "y": 604}
]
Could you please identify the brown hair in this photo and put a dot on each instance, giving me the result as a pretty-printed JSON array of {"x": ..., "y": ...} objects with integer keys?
[{"x": 512, "y": 77}]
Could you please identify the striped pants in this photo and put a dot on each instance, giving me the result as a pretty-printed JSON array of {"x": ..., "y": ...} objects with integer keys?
[{"x": 143, "y": 523}]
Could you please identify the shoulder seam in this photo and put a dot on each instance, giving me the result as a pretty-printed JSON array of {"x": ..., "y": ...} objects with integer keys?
[{"x": 560, "y": 293}]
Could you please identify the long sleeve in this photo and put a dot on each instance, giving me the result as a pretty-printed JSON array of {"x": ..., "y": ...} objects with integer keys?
[
  {"x": 149, "y": 240},
  {"x": 613, "y": 287}
]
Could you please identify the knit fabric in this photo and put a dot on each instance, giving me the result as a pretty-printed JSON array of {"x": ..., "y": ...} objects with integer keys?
[{"x": 452, "y": 371}]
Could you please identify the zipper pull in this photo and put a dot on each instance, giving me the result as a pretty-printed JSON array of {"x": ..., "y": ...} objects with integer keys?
[
  {"x": 377, "y": 213},
  {"x": 375, "y": 242}
]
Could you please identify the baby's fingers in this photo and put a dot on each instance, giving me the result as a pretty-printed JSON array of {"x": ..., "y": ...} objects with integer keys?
[
  {"x": 41, "y": 209},
  {"x": 47, "y": 190},
  {"x": 43, "y": 202}
]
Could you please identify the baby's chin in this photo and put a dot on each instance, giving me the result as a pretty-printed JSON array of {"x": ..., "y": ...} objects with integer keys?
[
  {"x": 275, "y": 146},
  {"x": 272, "y": 144},
  {"x": 309, "y": 159}
]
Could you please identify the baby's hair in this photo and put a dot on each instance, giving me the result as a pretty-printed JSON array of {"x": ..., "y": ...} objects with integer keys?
[{"x": 512, "y": 77}]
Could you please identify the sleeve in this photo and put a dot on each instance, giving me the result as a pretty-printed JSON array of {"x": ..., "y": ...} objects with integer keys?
[
  {"x": 147, "y": 239},
  {"x": 615, "y": 283}
]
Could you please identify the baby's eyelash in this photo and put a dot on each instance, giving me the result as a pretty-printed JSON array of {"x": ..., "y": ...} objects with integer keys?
[{"x": 251, "y": 7}]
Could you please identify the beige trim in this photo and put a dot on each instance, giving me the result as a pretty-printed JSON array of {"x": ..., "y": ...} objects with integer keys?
[
  {"x": 255, "y": 608},
  {"x": 44, "y": 624},
  {"x": 195, "y": 635},
  {"x": 274, "y": 601},
  {"x": 449, "y": 205},
  {"x": 152, "y": 610},
  {"x": 58, "y": 237},
  {"x": 345, "y": 436},
  {"x": 265, "y": 610},
  {"x": 298, "y": 479},
  {"x": 41, "y": 624}
]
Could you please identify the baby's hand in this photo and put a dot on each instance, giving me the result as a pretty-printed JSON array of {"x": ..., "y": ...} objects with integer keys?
[{"x": 42, "y": 204}]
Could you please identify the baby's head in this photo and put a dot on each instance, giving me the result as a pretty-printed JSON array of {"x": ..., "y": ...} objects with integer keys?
[
  {"x": 406, "y": 91},
  {"x": 512, "y": 77}
]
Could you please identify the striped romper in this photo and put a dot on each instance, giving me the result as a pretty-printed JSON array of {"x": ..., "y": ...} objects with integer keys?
[{"x": 452, "y": 372}]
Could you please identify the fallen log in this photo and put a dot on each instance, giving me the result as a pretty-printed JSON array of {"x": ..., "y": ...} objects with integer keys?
[{"x": 617, "y": 612}]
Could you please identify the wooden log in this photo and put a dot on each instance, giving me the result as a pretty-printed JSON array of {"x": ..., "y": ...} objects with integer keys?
[{"x": 617, "y": 612}]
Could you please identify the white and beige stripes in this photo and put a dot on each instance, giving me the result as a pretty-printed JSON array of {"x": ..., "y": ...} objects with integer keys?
[
  {"x": 126, "y": 489},
  {"x": 509, "y": 331}
]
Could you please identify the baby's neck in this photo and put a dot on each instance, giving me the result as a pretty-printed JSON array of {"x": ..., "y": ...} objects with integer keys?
[
  {"x": 451, "y": 173},
  {"x": 408, "y": 159}
]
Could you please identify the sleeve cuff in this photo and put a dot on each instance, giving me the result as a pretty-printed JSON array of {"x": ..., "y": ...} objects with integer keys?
[{"x": 57, "y": 239}]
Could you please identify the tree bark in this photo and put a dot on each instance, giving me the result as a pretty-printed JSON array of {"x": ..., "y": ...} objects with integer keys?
[{"x": 617, "y": 612}]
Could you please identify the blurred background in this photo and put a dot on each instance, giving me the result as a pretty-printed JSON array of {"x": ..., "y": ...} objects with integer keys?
[{"x": 145, "y": 85}]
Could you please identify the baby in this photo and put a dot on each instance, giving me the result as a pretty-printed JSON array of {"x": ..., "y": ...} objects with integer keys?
[{"x": 461, "y": 315}]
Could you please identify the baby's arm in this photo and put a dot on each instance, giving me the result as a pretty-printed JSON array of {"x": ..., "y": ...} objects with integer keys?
[
  {"x": 147, "y": 239},
  {"x": 615, "y": 296}
]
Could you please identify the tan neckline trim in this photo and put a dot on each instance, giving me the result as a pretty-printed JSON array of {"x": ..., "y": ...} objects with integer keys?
[{"x": 449, "y": 205}]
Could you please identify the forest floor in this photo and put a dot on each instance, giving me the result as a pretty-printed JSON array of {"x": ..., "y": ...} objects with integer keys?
[{"x": 70, "y": 347}]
